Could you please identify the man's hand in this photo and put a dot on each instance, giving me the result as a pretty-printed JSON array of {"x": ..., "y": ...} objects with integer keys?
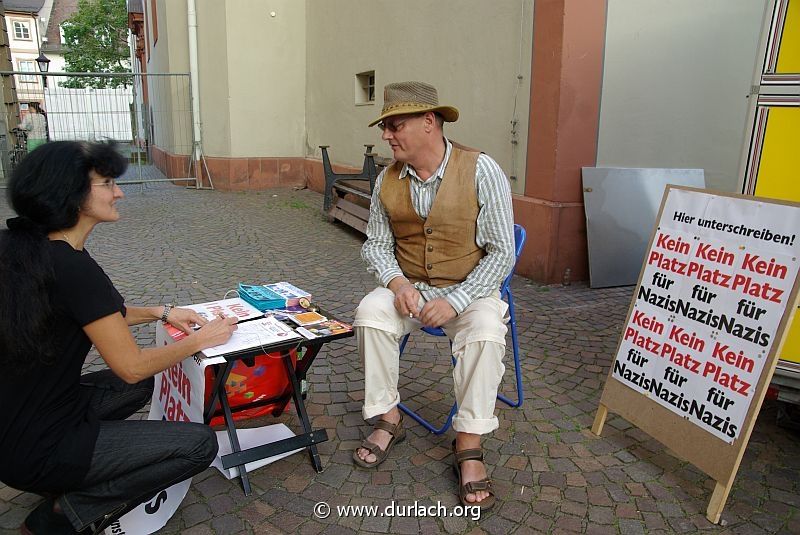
[
  {"x": 406, "y": 297},
  {"x": 437, "y": 312}
]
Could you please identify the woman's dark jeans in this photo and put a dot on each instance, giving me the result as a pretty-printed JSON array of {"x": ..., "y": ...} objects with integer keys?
[{"x": 133, "y": 459}]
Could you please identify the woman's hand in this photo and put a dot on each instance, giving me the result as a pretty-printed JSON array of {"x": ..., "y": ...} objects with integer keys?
[
  {"x": 184, "y": 318},
  {"x": 116, "y": 345},
  {"x": 216, "y": 332}
]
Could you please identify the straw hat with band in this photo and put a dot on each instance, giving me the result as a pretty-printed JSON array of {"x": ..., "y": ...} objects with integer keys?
[{"x": 402, "y": 98}]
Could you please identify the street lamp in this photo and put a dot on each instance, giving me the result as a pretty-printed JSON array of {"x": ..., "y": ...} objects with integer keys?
[
  {"x": 44, "y": 65},
  {"x": 43, "y": 62}
]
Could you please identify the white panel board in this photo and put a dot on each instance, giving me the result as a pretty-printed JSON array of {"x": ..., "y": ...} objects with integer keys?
[{"x": 621, "y": 206}]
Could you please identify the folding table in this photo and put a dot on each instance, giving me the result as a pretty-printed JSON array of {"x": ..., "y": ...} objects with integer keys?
[{"x": 308, "y": 439}]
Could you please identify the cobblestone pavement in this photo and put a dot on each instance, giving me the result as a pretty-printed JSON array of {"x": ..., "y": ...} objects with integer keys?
[{"x": 550, "y": 472}]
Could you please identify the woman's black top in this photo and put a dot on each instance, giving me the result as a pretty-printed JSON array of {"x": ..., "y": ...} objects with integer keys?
[{"x": 47, "y": 429}]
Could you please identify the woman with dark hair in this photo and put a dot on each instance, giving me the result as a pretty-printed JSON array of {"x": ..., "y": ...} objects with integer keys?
[{"x": 64, "y": 435}]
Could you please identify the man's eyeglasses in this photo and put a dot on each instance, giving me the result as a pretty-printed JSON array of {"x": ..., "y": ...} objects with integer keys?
[
  {"x": 394, "y": 126},
  {"x": 108, "y": 182}
]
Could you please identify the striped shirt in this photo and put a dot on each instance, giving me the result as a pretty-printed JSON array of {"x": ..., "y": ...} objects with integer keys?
[{"x": 495, "y": 232}]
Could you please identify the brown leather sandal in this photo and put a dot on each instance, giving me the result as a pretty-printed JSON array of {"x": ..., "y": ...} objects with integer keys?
[
  {"x": 398, "y": 435},
  {"x": 473, "y": 486}
]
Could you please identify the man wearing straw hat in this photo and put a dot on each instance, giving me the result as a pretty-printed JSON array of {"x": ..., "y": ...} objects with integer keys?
[{"x": 440, "y": 241}]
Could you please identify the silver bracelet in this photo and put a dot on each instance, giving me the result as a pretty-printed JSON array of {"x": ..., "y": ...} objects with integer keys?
[{"x": 165, "y": 315}]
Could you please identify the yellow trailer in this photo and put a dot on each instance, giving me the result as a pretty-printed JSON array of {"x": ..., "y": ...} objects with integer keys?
[{"x": 770, "y": 165}]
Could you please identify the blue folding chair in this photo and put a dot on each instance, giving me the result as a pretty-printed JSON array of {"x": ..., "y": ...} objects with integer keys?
[{"x": 505, "y": 293}]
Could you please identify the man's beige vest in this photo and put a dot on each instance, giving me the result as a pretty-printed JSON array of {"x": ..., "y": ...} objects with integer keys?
[{"x": 439, "y": 250}]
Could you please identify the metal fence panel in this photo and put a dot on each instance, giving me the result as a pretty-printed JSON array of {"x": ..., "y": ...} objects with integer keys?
[
  {"x": 106, "y": 114},
  {"x": 148, "y": 115}
]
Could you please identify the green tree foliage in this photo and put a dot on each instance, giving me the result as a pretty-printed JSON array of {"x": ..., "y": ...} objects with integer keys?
[{"x": 96, "y": 40}]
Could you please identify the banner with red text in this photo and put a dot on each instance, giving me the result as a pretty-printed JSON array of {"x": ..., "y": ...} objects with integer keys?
[{"x": 713, "y": 290}]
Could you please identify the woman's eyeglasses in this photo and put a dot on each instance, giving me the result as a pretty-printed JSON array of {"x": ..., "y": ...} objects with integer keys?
[{"x": 108, "y": 182}]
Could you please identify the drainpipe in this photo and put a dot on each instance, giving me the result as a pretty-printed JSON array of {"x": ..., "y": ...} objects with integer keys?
[{"x": 195, "y": 85}]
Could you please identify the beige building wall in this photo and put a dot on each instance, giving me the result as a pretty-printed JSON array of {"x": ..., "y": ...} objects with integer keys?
[
  {"x": 675, "y": 83},
  {"x": 266, "y": 64},
  {"x": 251, "y": 68},
  {"x": 169, "y": 97},
  {"x": 472, "y": 50},
  {"x": 676, "y": 79},
  {"x": 278, "y": 77},
  {"x": 213, "y": 69}
]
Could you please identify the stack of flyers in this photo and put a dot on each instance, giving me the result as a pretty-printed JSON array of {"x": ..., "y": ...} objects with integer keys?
[
  {"x": 325, "y": 328},
  {"x": 307, "y": 318},
  {"x": 284, "y": 313},
  {"x": 291, "y": 293},
  {"x": 261, "y": 297}
]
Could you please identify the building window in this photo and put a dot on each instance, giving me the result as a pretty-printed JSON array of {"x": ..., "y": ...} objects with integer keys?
[
  {"x": 27, "y": 66},
  {"x": 365, "y": 87},
  {"x": 22, "y": 30}
]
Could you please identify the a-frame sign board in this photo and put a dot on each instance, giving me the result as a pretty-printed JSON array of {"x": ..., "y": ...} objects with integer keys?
[{"x": 717, "y": 289}]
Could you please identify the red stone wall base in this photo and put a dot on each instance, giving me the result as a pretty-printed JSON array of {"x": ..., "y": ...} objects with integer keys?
[
  {"x": 172, "y": 165},
  {"x": 241, "y": 174},
  {"x": 556, "y": 240}
]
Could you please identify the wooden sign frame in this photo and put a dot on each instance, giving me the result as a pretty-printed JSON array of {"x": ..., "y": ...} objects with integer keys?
[{"x": 714, "y": 456}]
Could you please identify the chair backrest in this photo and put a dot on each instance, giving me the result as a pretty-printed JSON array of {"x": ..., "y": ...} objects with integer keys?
[{"x": 519, "y": 243}]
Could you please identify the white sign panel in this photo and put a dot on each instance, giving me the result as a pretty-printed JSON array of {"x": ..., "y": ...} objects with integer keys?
[
  {"x": 250, "y": 438},
  {"x": 714, "y": 287}
]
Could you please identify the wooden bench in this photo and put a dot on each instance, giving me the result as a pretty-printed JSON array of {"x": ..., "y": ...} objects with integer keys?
[{"x": 347, "y": 195}]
